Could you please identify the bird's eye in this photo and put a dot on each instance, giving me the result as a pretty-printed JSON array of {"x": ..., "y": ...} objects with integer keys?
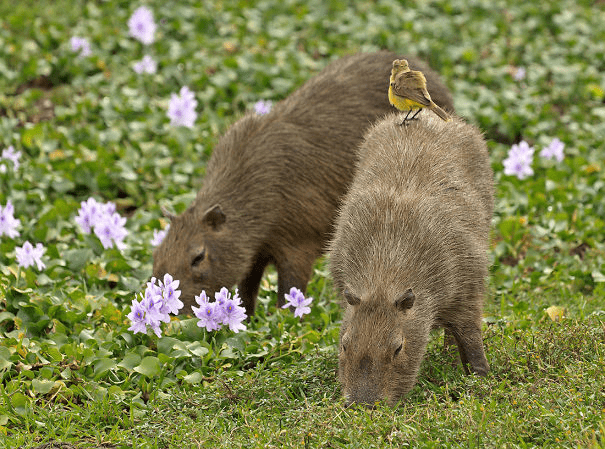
[
  {"x": 199, "y": 258},
  {"x": 344, "y": 348},
  {"x": 398, "y": 350}
]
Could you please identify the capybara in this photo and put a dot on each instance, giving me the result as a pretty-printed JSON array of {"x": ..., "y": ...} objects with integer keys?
[
  {"x": 274, "y": 181},
  {"x": 409, "y": 252}
]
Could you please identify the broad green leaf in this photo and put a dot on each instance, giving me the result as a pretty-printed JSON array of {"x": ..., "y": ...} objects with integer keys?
[
  {"x": 42, "y": 386},
  {"x": 6, "y": 316},
  {"x": 149, "y": 366},
  {"x": 77, "y": 258},
  {"x": 130, "y": 361},
  {"x": 20, "y": 402},
  {"x": 194, "y": 378},
  {"x": 103, "y": 365}
]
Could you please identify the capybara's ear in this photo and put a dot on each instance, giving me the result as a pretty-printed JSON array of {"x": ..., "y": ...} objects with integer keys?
[
  {"x": 214, "y": 217},
  {"x": 405, "y": 301},
  {"x": 351, "y": 298}
]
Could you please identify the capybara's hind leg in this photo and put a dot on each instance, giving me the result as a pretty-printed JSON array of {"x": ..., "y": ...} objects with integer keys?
[
  {"x": 470, "y": 345},
  {"x": 248, "y": 288}
]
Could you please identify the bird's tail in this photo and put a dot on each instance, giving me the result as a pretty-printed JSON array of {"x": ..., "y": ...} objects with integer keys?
[{"x": 440, "y": 112}]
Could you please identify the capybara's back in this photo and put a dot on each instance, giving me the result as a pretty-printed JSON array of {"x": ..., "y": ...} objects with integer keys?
[
  {"x": 274, "y": 181},
  {"x": 410, "y": 252}
]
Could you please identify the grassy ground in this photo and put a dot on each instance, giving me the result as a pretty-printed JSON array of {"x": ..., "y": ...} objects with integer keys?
[{"x": 72, "y": 373}]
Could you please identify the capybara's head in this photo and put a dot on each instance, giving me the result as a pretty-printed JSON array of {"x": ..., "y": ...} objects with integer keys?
[
  {"x": 380, "y": 353},
  {"x": 197, "y": 250}
]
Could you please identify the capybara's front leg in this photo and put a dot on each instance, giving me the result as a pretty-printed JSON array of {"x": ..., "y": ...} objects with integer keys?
[
  {"x": 248, "y": 287},
  {"x": 295, "y": 271},
  {"x": 470, "y": 345}
]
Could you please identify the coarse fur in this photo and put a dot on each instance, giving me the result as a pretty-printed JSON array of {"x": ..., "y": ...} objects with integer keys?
[
  {"x": 274, "y": 181},
  {"x": 410, "y": 252}
]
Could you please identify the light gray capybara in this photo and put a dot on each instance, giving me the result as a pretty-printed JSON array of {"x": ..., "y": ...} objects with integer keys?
[
  {"x": 273, "y": 183},
  {"x": 410, "y": 252}
]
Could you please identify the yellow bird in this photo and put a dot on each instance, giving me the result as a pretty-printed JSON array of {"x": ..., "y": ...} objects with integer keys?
[{"x": 407, "y": 91}]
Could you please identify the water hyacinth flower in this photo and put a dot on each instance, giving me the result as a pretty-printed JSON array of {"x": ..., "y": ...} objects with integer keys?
[
  {"x": 90, "y": 213},
  {"x": 209, "y": 313},
  {"x": 103, "y": 219},
  {"x": 181, "y": 109},
  {"x": 158, "y": 236},
  {"x": 263, "y": 107},
  {"x": 111, "y": 230},
  {"x": 553, "y": 150},
  {"x": 145, "y": 65},
  {"x": 234, "y": 313},
  {"x": 297, "y": 300},
  {"x": 141, "y": 25},
  {"x": 157, "y": 302},
  {"x": 28, "y": 255},
  {"x": 519, "y": 160},
  {"x": 170, "y": 295},
  {"x": 8, "y": 222},
  {"x": 137, "y": 317},
  {"x": 80, "y": 44},
  {"x": 224, "y": 310},
  {"x": 9, "y": 154}
]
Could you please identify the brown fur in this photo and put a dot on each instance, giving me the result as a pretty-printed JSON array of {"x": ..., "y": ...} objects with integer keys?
[
  {"x": 277, "y": 180},
  {"x": 417, "y": 217}
]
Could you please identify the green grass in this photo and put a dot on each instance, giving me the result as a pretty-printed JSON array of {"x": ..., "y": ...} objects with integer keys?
[{"x": 71, "y": 372}]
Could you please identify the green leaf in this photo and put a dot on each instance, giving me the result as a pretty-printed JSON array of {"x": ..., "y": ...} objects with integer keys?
[
  {"x": 77, "y": 258},
  {"x": 130, "y": 362},
  {"x": 42, "y": 386},
  {"x": 149, "y": 366},
  {"x": 6, "y": 316},
  {"x": 103, "y": 365},
  {"x": 197, "y": 349},
  {"x": 194, "y": 378},
  {"x": 20, "y": 403}
]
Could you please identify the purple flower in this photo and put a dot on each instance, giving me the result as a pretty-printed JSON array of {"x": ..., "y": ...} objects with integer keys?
[
  {"x": 158, "y": 236},
  {"x": 137, "y": 317},
  {"x": 9, "y": 154},
  {"x": 263, "y": 107},
  {"x": 181, "y": 109},
  {"x": 209, "y": 313},
  {"x": 234, "y": 314},
  {"x": 554, "y": 150},
  {"x": 155, "y": 304},
  {"x": 519, "y": 74},
  {"x": 141, "y": 25},
  {"x": 27, "y": 255},
  {"x": 170, "y": 295},
  {"x": 519, "y": 161},
  {"x": 110, "y": 230},
  {"x": 145, "y": 65},
  {"x": 224, "y": 310},
  {"x": 222, "y": 296},
  {"x": 158, "y": 301},
  {"x": 297, "y": 300},
  {"x": 80, "y": 44},
  {"x": 89, "y": 214},
  {"x": 103, "y": 219},
  {"x": 8, "y": 223}
]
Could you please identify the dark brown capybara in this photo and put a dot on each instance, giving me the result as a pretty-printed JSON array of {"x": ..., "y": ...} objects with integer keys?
[
  {"x": 274, "y": 181},
  {"x": 410, "y": 252}
]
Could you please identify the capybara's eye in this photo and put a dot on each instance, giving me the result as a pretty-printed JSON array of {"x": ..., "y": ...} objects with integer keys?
[
  {"x": 398, "y": 350},
  {"x": 197, "y": 259}
]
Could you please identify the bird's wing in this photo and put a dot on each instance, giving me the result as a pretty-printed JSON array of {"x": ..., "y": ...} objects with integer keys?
[{"x": 410, "y": 85}]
